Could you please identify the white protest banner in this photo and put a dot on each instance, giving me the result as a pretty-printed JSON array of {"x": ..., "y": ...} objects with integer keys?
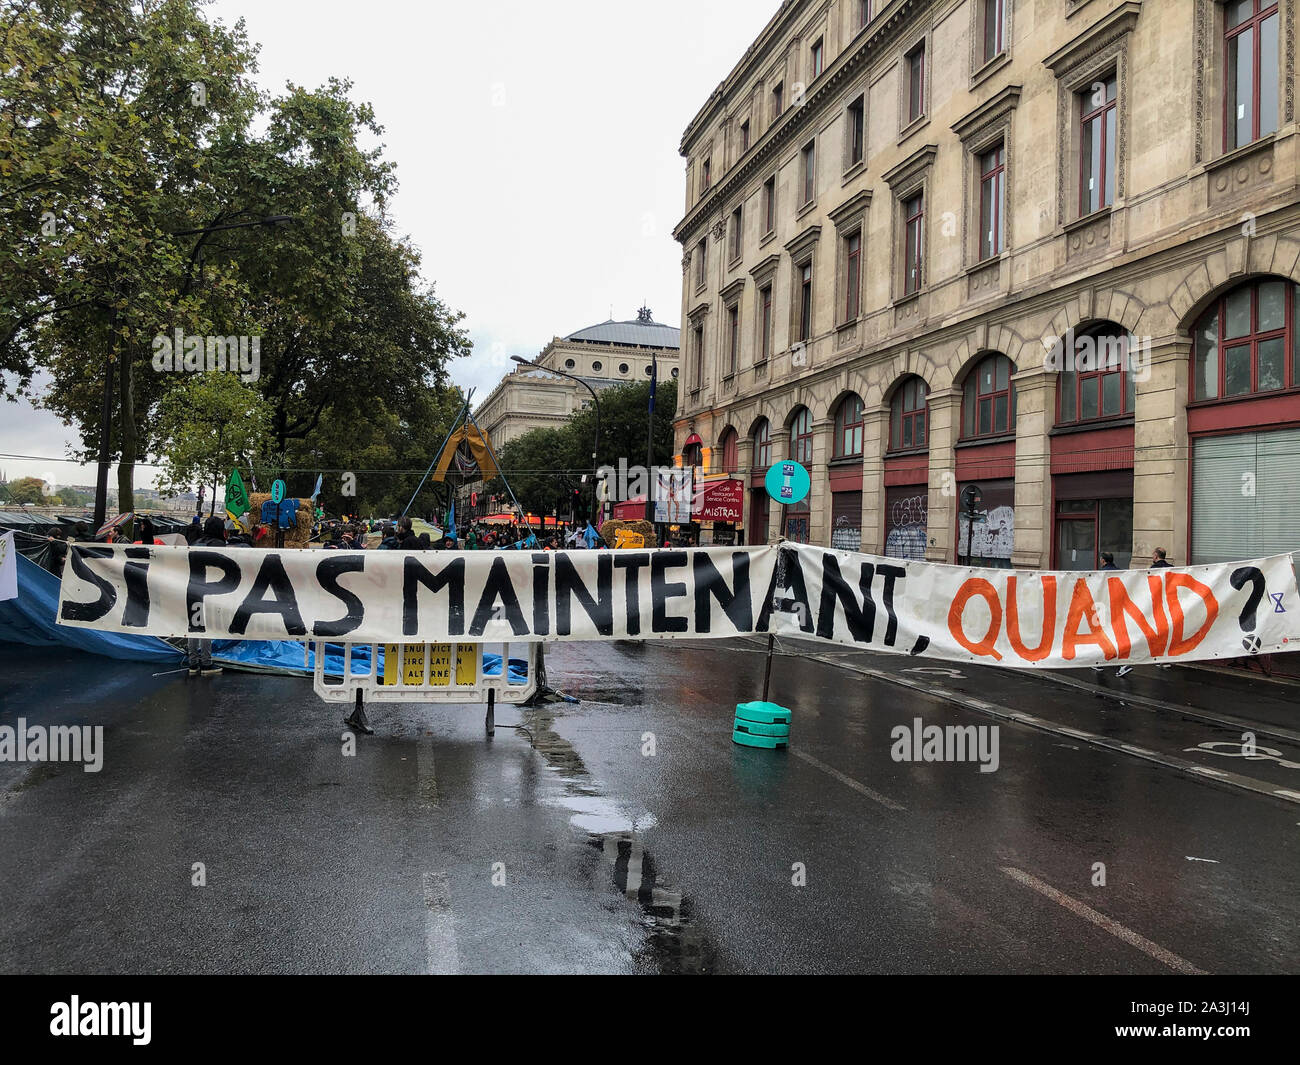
[
  {"x": 8, "y": 567},
  {"x": 1007, "y": 617}
]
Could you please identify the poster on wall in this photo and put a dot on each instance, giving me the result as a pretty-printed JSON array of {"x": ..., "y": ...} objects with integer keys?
[
  {"x": 673, "y": 496},
  {"x": 993, "y": 529},
  {"x": 906, "y": 517}
]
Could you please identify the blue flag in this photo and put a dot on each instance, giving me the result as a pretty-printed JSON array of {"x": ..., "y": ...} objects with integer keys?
[
  {"x": 451, "y": 521},
  {"x": 320, "y": 479},
  {"x": 590, "y": 535}
]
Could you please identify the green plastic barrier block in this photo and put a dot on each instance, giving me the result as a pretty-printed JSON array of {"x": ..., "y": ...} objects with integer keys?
[
  {"x": 768, "y": 713},
  {"x": 746, "y": 739},
  {"x": 757, "y": 728}
]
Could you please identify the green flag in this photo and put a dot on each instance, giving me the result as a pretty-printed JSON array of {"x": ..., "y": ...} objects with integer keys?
[{"x": 236, "y": 497}]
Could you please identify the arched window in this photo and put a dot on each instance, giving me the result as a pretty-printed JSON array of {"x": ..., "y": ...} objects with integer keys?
[
  {"x": 762, "y": 444},
  {"x": 801, "y": 437},
  {"x": 1097, "y": 377},
  {"x": 693, "y": 455},
  {"x": 989, "y": 399},
  {"x": 1246, "y": 342},
  {"x": 909, "y": 426},
  {"x": 848, "y": 427},
  {"x": 730, "y": 451}
]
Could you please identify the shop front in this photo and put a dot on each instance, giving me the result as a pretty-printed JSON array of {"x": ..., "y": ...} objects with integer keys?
[
  {"x": 987, "y": 537},
  {"x": 907, "y": 506}
]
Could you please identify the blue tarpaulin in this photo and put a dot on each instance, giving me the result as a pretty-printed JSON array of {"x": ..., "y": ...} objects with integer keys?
[{"x": 29, "y": 619}]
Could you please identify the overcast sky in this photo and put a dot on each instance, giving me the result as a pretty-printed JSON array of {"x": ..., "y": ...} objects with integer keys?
[{"x": 536, "y": 150}]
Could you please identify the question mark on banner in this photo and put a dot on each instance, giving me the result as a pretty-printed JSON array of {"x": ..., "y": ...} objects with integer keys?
[{"x": 1247, "y": 619}]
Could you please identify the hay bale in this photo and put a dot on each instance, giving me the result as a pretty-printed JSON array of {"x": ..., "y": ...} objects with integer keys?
[
  {"x": 293, "y": 537},
  {"x": 642, "y": 527}
]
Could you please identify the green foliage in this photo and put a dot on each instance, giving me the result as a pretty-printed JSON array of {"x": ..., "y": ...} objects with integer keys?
[
  {"x": 28, "y": 490},
  {"x": 211, "y": 422},
  {"x": 126, "y": 125}
]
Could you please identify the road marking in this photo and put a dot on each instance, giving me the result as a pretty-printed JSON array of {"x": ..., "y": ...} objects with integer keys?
[
  {"x": 1079, "y": 909},
  {"x": 1212, "y": 861},
  {"x": 440, "y": 928},
  {"x": 861, "y": 789}
]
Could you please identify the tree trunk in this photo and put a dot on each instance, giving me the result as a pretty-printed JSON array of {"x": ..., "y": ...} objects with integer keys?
[{"x": 128, "y": 438}]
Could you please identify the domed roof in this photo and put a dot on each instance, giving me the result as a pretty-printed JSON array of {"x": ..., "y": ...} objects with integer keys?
[{"x": 643, "y": 332}]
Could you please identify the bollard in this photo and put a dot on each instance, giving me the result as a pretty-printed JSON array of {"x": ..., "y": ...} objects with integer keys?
[{"x": 761, "y": 724}]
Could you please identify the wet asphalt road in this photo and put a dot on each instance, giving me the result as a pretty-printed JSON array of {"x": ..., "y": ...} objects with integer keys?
[{"x": 634, "y": 836}]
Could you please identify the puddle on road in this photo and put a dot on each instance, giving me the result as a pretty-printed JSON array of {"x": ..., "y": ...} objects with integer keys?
[{"x": 674, "y": 942}]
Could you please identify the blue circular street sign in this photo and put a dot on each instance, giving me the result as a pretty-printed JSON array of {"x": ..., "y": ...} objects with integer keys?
[
  {"x": 277, "y": 492},
  {"x": 787, "y": 482}
]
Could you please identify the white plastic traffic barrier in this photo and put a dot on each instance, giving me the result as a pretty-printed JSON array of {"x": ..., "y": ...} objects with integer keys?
[{"x": 429, "y": 673}]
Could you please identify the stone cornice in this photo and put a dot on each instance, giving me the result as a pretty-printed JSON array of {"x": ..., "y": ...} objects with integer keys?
[
  {"x": 991, "y": 110},
  {"x": 1116, "y": 24},
  {"x": 762, "y": 271},
  {"x": 878, "y": 36},
  {"x": 804, "y": 242},
  {"x": 911, "y": 166},
  {"x": 850, "y": 209},
  {"x": 733, "y": 290}
]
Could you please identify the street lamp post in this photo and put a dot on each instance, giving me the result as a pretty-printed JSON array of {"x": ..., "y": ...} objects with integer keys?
[
  {"x": 595, "y": 443},
  {"x": 650, "y": 442},
  {"x": 106, "y": 414}
]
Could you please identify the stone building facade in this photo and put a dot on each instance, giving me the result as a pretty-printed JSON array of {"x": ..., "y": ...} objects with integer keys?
[
  {"x": 602, "y": 355},
  {"x": 1046, "y": 249}
]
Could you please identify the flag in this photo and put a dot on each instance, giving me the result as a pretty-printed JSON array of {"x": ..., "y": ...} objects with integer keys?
[
  {"x": 237, "y": 504},
  {"x": 320, "y": 479},
  {"x": 451, "y": 521},
  {"x": 590, "y": 535}
]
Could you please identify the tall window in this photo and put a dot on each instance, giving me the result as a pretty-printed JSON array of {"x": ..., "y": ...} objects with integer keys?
[
  {"x": 1250, "y": 71},
  {"x": 765, "y": 323},
  {"x": 857, "y": 130},
  {"x": 706, "y": 172},
  {"x": 988, "y": 399},
  {"x": 908, "y": 426},
  {"x": 733, "y": 338},
  {"x": 848, "y": 428},
  {"x": 864, "y": 12},
  {"x": 1099, "y": 384},
  {"x": 805, "y": 301},
  {"x": 730, "y": 451},
  {"x": 993, "y": 165},
  {"x": 701, "y": 260},
  {"x": 769, "y": 204},
  {"x": 801, "y": 437},
  {"x": 737, "y": 217},
  {"x": 778, "y": 100},
  {"x": 916, "y": 82},
  {"x": 818, "y": 58},
  {"x": 744, "y": 136},
  {"x": 914, "y": 236},
  {"x": 1246, "y": 342},
  {"x": 762, "y": 444},
  {"x": 993, "y": 15},
  {"x": 698, "y": 351},
  {"x": 1097, "y": 146},
  {"x": 853, "y": 275},
  {"x": 809, "y": 157}
]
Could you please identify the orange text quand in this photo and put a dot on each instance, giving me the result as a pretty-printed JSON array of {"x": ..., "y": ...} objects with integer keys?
[{"x": 1162, "y": 631}]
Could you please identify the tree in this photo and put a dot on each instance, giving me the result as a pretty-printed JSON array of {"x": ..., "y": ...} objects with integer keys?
[
  {"x": 28, "y": 490},
  {"x": 211, "y": 423}
]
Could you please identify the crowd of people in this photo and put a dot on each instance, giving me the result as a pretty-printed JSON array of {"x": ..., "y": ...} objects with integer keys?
[{"x": 399, "y": 535}]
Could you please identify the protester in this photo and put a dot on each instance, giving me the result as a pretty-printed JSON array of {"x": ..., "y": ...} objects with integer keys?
[
  {"x": 406, "y": 538},
  {"x": 147, "y": 533},
  {"x": 389, "y": 541},
  {"x": 425, "y": 543},
  {"x": 57, "y": 552},
  {"x": 1108, "y": 561},
  {"x": 1158, "y": 560},
  {"x": 200, "y": 651}
]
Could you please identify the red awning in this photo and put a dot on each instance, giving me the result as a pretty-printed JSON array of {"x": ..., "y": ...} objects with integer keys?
[{"x": 694, "y": 438}]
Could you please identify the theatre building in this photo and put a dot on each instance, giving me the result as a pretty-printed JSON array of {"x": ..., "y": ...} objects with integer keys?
[{"x": 1045, "y": 250}]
